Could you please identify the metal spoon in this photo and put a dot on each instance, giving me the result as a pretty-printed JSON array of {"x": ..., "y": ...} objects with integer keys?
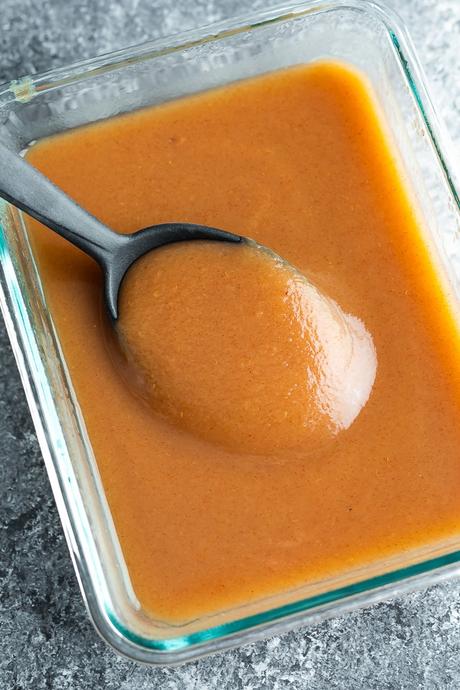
[{"x": 25, "y": 187}]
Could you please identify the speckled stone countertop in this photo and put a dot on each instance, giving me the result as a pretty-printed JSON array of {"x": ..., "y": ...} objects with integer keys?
[{"x": 46, "y": 639}]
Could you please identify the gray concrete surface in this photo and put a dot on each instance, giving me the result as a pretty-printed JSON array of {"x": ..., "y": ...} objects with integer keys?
[{"x": 46, "y": 640}]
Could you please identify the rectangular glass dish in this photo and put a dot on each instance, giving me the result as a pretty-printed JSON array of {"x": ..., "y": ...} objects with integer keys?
[{"x": 360, "y": 34}]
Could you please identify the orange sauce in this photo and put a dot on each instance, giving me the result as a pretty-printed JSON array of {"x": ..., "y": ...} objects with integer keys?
[{"x": 297, "y": 160}]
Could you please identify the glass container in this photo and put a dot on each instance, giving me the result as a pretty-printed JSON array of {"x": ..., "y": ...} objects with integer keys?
[{"x": 362, "y": 34}]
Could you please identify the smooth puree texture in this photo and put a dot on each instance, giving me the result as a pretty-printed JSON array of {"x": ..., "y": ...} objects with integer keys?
[
  {"x": 237, "y": 346},
  {"x": 298, "y": 161}
]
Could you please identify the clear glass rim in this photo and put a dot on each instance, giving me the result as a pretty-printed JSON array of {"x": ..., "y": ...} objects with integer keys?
[{"x": 182, "y": 648}]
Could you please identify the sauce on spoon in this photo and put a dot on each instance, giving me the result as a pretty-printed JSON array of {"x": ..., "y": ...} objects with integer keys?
[{"x": 238, "y": 347}]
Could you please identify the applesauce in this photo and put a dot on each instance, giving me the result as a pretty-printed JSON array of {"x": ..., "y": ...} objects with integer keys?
[{"x": 299, "y": 161}]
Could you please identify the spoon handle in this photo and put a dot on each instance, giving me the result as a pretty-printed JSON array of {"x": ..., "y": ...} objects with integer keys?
[{"x": 25, "y": 187}]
